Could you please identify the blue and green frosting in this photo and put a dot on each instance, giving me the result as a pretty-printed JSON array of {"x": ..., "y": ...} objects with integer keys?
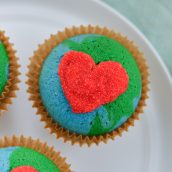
[
  {"x": 107, "y": 117},
  {"x": 16, "y": 156}
]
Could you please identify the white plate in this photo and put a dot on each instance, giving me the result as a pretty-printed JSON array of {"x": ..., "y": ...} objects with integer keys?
[{"x": 147, "y": 147}]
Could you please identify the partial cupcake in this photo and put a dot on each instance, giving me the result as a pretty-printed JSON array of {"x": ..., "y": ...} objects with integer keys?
[
  {"x": 19, "y": 154},
  {"x": 8, "y": 72},
  {"x": 88, "y": 84}
]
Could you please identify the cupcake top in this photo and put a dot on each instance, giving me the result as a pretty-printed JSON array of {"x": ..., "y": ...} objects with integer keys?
[
  {"x": 8, "y": 72},
  {"x": 21, "y": 159},
  {"x": 90, "y": 84},
  {"x": 4, "y": 67}
]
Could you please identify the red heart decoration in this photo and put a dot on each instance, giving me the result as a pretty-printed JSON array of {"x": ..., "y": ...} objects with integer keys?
[
  {"x": 87, "y": 85},
  {"x": 24, "y": 169}
]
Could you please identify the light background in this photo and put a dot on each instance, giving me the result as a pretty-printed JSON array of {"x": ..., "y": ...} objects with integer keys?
[{"x": 154, "y": 20}]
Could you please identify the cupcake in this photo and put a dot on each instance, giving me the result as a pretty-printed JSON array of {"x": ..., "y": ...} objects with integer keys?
[
  {"x": 20, "y": 154},
  {"x": 88, "y": 84},
  {"x": 8, "y": 72}
]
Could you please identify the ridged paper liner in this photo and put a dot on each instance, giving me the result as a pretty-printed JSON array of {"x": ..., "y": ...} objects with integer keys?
[
  {"x": 43, "y": 148},
  {"x": 33, "y": 82},
  {"x": 11, "y": 86}
]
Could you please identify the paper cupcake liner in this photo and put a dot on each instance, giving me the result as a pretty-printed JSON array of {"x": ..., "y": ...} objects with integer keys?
[
  {"x": 43, "y": 148},
  {"x": 11, "y": 86},
  {"x": 33, "y": 82}
]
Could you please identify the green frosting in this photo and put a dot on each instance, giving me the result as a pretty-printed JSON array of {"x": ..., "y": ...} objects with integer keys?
[
  {"x": 4, "y": 63},
  {"x": 28, "y": 157},
  {"x": 101, "y": 49},
  {"x": 96, "y": 127}
]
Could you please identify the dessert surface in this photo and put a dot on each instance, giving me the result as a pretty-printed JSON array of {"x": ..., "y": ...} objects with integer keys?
[
  {"x": 106, "y": 117},
  {"x": 4, "y": 67},
  {"x": 16, "y": 159}
]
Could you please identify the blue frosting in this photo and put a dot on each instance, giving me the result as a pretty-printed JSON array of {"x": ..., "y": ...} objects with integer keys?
[
  {"x": 5, "y": 154},
  {"x": 55, "y": 101},
  {"x": 7, "y": 71},
  {"x": 57, "y": 104}
]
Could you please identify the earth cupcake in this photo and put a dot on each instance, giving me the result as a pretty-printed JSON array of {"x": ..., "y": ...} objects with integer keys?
[
  {"x": 20, "y": 154},
  {"x": 88, "y": 84},
  {"x": 8, "y": 72}
]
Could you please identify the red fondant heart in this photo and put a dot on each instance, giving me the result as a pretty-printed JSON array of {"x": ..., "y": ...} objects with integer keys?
[{"x": 87, "y": 85}]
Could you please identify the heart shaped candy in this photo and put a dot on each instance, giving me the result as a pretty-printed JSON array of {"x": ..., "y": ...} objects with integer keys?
[{"x": 87, "y": 85}]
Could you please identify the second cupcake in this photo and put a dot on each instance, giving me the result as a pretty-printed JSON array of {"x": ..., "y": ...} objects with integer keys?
[
  {"x": 8, "y": 72},
  {"x": 20, "y": 154},
  {"x": 88, "y": 84}
]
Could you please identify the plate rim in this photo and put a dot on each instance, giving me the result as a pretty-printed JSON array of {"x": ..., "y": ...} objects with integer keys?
[{"x": 140, "y": 34}]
